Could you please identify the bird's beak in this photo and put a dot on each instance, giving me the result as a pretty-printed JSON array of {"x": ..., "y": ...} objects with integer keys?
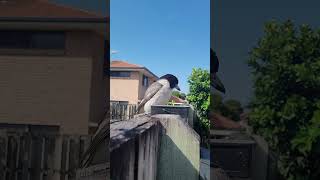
[
  {"x": 217, "y": 84},
  {"x": 178, "y": 88}
]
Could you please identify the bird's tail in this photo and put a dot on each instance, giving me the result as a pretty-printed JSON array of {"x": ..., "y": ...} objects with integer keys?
[
  {"x": 138, "y": 109},
  {"x": 99, "y": 138},
  {"x": 142, "y": 103}
]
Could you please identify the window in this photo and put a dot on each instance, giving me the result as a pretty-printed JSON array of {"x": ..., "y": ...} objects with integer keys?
[
  {"x": 145, "y": 81},
  {"x": 120, "y": 74},
  {"x": 32, "y": 40}
]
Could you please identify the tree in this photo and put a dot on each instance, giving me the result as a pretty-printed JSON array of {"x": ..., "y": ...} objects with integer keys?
[
  {"x": 199, "y": 97},
  {"x": 179, "y": 95},
  {"x": 217, "y": 103},
  {"x": 230, "y": 108},
  {"x": 234, "y": 109},
  {"x": 286, "y": 106}
]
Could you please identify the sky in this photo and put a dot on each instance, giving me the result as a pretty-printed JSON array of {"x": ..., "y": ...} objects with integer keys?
[
  {"x": 236, "y": 27},
  {"x": 165, "y": 36}
]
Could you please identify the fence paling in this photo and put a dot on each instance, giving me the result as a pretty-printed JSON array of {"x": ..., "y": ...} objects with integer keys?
[
  {"x": 40, "y": 157},
  {"x": 122, "y": 111}
]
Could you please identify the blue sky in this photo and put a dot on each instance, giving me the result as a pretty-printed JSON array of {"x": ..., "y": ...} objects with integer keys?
[{"x": 164, "y": 36}]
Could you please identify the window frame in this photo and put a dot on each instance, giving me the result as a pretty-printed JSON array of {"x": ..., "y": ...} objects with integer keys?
[
  {"x": 29, "y": 47},
  {"x": 143, "y": 80},
  {"x": 119, "y": 76}
]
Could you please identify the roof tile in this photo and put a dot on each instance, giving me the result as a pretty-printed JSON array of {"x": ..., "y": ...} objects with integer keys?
[
  {"x": 221, "y": 122},
  {"x": 41, "y": 9},
  {"x": 123, "y": 64}
]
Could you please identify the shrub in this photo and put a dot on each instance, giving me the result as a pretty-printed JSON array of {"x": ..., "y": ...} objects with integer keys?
[{"x": 286, "y": 105}]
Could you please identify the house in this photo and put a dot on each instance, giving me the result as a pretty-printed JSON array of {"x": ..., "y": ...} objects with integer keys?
[
  {"x": 51, "y": 67},
  {"x": 176, "y": 101},
  {"x": 129, "y": 82},
  {"x": 218, "y": 121}
]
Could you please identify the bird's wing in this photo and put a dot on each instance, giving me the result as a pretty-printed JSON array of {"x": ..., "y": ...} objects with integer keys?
[
  {"x": 99, "y": 142},
  {"x": 214, "y": 66},
  {"x": 151, "y": 91},
  {"x": 216, "y": 83}
]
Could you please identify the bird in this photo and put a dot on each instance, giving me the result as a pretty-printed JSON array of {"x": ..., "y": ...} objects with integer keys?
[
  {"x": 215, "y": 80},
  {"x": 99, "y": 143},
  {"x": 159, "y": 92}
]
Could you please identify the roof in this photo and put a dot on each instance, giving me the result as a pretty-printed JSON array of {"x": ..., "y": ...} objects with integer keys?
[
  {"x": 123, "y": 65},
  {"x": 177, "y": 99},
  {"x": 43, "y": 9},
  {"x": 221, "y": 122}
]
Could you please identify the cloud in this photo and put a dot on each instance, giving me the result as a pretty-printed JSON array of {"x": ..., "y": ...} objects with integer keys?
[{"x": 114, "y": 51}]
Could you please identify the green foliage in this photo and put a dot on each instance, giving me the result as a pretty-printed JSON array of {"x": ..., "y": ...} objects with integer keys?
[
  {"x": 179, "y": 95},
  {"x": 230, "y": 108},
  {"x": 199, "y": 97},
  {"x": 286, "y": 106}
]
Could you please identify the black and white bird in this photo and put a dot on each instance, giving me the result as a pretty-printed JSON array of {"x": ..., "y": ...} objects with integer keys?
[
  {"x": 215, "y": 81},
  {"x": 159, "y": 92}
]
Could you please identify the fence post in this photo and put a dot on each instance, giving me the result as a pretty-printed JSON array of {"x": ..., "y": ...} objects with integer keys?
[
  {"x": 67, "y": 158},
  {"x": 18, "y": 158},
  {"x": 29, "y": 157},
  {"x": 3, "y": 156},
  {"x": 43, "y": 145},
  {"x": 57, "y": 160}
]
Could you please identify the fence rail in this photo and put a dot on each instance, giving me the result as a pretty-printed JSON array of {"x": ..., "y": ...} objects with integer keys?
[
  {"x": 122, "y": 111},
  {"x": 25, "y": 156}
]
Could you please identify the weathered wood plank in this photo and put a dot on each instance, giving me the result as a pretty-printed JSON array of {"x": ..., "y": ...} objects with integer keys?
[
  {"x": 36, "y": 158},
  {"x": 29, "y": 157},
  {"x": 5, "y": 160},
  {"x": 123, "y": 168},
  {"x": 46, "y": 173},
  {"x": 24, "y": 156},
  {"x": 131, "y": 148},
  {"x": 122, "y": 111},
  {"x": 95, "y": 172},
  {"x": 179, "y": 155},
  {"x": 18, "y": 160},
  {"x": 3, "y": 154},
  {"x": 57, "y": 157},
  {"x": 64, "y": 157},
  {"x": 122, "y": 131},
  {"x": 67, "y": 158},
  {"x": 51, "y": 157},
  {"x": 74, "y": 157},
  {"x": 12, "y": 156},
  {"x": 42, "y": 157}
]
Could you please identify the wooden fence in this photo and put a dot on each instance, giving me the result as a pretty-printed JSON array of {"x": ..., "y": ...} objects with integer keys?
[
  {"x": 26, "y": 156},
  {"x": 122, "y": 111},
  {"x": 159, "y": 147}
]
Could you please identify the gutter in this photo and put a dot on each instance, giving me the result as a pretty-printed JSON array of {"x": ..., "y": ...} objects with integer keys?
[
  {"x": 55, "y": 19},
  {"x": 133, "y": 69}
]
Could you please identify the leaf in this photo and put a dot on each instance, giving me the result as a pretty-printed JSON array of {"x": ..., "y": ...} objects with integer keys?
[{"x": 285, "y": 64}]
